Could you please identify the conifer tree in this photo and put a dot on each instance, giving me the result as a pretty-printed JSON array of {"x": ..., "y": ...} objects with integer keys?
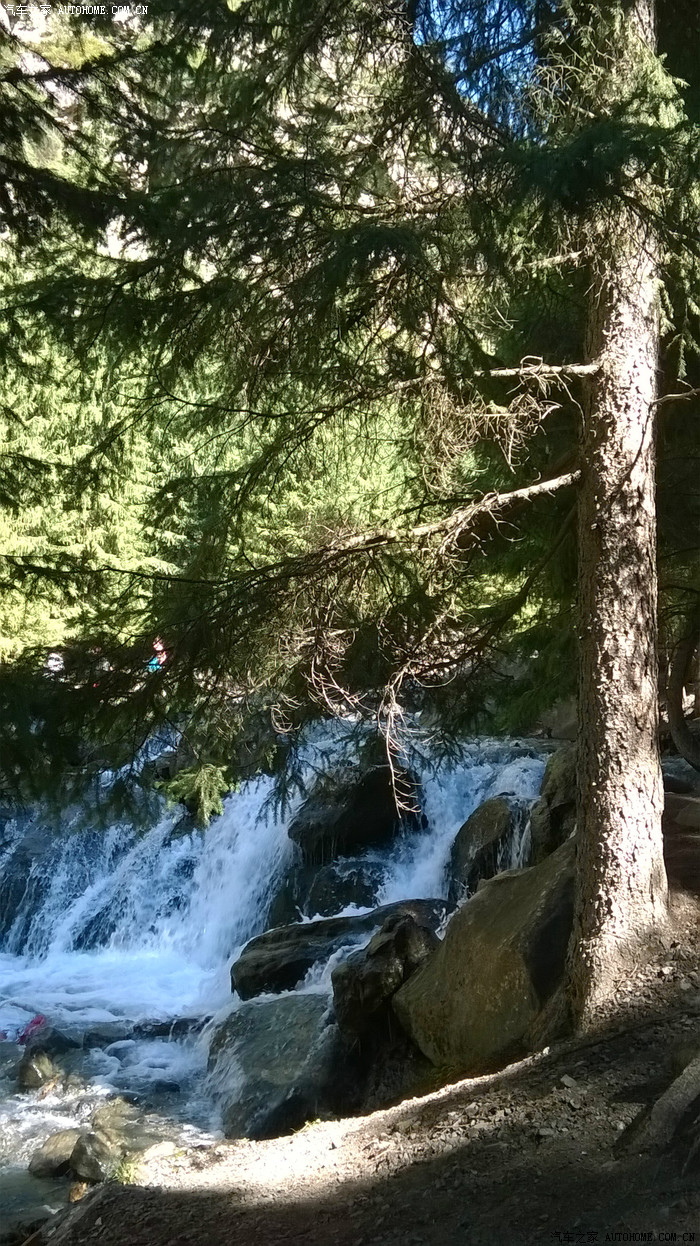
[{"x": 444, "y": 227}]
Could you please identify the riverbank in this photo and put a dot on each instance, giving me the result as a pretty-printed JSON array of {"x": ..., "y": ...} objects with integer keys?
[{"x": 543, "y": 1151}]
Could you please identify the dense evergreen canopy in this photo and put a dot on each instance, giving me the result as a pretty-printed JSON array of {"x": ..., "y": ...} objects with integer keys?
[{"x": 290, "y": 286}]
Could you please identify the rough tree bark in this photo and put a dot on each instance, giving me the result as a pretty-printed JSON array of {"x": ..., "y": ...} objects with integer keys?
[{"x": 621, "y": 879}]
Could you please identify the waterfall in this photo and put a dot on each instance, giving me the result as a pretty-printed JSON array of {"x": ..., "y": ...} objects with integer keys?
[
  {"x": 107, "y": 932},
  {"x": 125, "y": 923}
]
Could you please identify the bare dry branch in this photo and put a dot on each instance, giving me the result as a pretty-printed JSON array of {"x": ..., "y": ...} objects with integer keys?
[
  {"x": 537, "y": 370},
  {"x": 454, "y": 524}
]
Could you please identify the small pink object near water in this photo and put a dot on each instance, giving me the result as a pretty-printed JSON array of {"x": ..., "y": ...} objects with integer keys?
[{"x": 31, "y": 1028}]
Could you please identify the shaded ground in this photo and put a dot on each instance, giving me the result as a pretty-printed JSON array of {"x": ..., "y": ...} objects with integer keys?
[{"x": 538, "y": 1153}]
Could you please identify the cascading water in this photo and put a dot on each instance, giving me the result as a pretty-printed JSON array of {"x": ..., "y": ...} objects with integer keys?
[{"x": 124, "y": 927}]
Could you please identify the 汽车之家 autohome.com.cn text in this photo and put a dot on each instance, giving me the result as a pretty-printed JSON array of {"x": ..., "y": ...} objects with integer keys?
[{"x": 80, "y": 10}]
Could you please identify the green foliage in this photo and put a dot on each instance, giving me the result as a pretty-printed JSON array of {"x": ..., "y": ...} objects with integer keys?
[
  {"x": 200, "y": 789},
  {"x": 279, "y": 254}
]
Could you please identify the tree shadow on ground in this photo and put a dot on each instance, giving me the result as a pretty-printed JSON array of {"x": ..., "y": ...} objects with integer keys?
[{"x": 536, "y": 1154}]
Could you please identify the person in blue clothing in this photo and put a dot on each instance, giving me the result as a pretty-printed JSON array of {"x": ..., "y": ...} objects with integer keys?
[{"x": 159, "y": 658}]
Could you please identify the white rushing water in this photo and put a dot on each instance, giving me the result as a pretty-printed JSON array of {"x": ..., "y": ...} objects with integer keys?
[
  {"x": 122, "y": 925},
  {"x": 143, "y": 925}
]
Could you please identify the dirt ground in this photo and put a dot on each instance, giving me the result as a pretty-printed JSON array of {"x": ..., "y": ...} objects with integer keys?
[{"x": 541, "y": 1152}]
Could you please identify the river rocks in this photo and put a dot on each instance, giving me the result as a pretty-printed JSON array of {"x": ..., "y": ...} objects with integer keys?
[
  {"x": 480, "y": 844},
  {"x": 95, "y": 1155},
  {"x": 322, "y": 891},
  {"x": 264, "y": 1060},
  {"x": 52, "y": 1041},
  {"x": 340, "y": 885},
  {"x": 354, "y": 810},
  {"x": 366, "y": 981},
  {"x": 553, "y": 816},
  {"x": 279, "y": 959},
  {"x": 108, "y": 1032},
  {"x": 52, "y": 1158},
  {"x": 115, "y": 1116},
  {"x": 472, "y": 1004},
  {"x": 35, "y": 1069}
]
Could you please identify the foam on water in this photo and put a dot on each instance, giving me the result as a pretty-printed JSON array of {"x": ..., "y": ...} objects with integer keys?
[
  {"x": 143, "y": 925},
  {"x": 128, "y": 926},
  {"x": 452, "y": 790}
]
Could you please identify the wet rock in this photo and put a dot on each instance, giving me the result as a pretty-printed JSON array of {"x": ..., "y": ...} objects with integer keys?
[
  {"x": 342, "y": 884},
  {"x": 553, "y": 816},
  {"x": 52, "y": 1158},
  {"x": 395, "y": 1070},
  {"x": 480, "y": 845},
  {"x": 54, "y": 1042},
  {"x": 106, "y": 1033},
  {"x": 279, "y": 959},
  {"x": 114, "y": 1116},
  {"x": 9, "y": 1057},
  {"x": 35, "y": 1069},
  {"x": 353, "y": 810},
  {"x": 366, "y": 981},
  {"x": 474, "y": 1002},
  {"x": 169, "y": 1029},
  {"x": 95, "y": 1155},
  {"x": 165, "y": 1087},
  {"x": 264, "y": 1059},
  {"x": 322, "y": 891}
]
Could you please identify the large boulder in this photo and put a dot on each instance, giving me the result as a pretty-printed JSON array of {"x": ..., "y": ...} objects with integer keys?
[
  {"x": 472, "y": 1005},
  {"x": 553, "y": 816},
  {"x": 365, "y": 982},
  {"x": 347, "y": 813},
  {"x": 265, "y": 1065},
  {"x": 35, "y": 1069},
  {"x": 52, "y": 1158},
  {"x": 52, "y": 1041},
  {"x": 321, "y": 891},
  {"x": 96, "y": 1154},
  {"x": 481, "y": 846},
  {"x": 341, "y": 884},
  {"x": 279, "y": 959}
]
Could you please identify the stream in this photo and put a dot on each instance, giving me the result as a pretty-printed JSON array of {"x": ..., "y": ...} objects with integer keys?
[{"x": 123, "y": 940}]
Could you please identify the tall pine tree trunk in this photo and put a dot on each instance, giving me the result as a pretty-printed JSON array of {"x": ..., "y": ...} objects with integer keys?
[{"x": 621, "y": 878}]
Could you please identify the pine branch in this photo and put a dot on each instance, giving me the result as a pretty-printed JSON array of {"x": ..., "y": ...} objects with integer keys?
[
  {"x": 686, "y": 396},
  {"x": 542, "y": 371},
  {"x": 451, "y": 525}
]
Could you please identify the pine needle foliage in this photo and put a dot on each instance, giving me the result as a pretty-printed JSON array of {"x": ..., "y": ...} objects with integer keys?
[{"x": 316, "y": 242}]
